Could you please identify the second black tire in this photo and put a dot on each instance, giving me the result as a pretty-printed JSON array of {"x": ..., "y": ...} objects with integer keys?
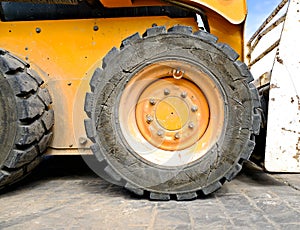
[{"x": 26, "y": 119}]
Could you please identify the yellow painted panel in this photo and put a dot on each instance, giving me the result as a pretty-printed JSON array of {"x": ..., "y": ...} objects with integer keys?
[
  {"x": 227, "y": 32},
  {"x": 234, "y": 11},
  {"x": 65, "y": 53}
]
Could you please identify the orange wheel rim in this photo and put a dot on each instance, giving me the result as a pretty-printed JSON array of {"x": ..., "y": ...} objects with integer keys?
[{"x": 171, "y": 113}]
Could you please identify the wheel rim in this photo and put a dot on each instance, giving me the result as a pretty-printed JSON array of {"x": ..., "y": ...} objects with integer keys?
[{"x": 171, "y": 113}]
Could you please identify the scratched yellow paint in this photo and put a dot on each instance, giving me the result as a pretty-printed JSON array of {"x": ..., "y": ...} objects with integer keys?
[{"x": 66, "y": 52}]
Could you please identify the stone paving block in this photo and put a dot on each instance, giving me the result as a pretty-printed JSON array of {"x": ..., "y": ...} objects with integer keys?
[
  {"x": 278, "y": 211},
  {"x": 252, "y": 220},
  {"x": 171, "y": 218},
  {"x": 291, "y": 226},
  {"x": 74, "y": 198},
  {"x": 239, "y": 201},
  {"x": 173, "y": 227},
  {"x": 212, "y": 220}
]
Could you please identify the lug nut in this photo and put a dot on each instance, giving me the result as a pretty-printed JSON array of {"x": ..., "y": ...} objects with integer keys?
[
  {"x": 194, "y": 108},
  {"x": 149, "y": 119},
  {"x": 160, "y": 133},
  {"x": 177, "y": 136},
  {"x": 152, "y": 101},
  {"x": 166, "y": 91},
  {"x": 191, "y": 125},
  {"x": 183, "y": 94}
]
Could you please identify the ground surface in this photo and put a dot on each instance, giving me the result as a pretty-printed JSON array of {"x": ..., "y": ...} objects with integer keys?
[{"x": 55, "y": 197}]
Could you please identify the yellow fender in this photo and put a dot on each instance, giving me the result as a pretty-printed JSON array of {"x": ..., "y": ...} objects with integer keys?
[{"x": 234, "y": 11}]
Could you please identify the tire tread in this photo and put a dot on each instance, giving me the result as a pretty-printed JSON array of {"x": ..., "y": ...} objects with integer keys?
[{"x": 35, "y": 119}]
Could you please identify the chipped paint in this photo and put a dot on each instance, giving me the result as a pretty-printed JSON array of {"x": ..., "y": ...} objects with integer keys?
[
  {"x": 292, "y": 131},
  {"x": 297, "y": 156},
  {"x": 298, "y": 99},
  {"x": 274, "y": 86},
  {"x": 279, "y": 59}
]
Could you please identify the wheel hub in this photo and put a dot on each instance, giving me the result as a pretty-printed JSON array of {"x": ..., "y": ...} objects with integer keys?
[{"x": 172, "y": 113}]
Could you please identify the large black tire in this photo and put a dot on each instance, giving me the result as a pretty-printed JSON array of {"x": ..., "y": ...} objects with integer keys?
[
  {"x": 117, "y": 150},
  {"x": 25, "y": 119}
]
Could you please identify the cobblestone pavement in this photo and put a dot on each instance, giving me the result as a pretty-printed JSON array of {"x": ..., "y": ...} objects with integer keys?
[{"x": 64, "y": 194}]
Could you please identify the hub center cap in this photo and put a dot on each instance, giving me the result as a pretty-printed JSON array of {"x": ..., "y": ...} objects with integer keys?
[{"x": 172, "y": 113}]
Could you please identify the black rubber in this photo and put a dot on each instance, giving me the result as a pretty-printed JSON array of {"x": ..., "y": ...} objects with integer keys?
[
  {"x": 258, "y": 155},
  {"x": 221, "y": 163},
  {"x": 25, "y": 119}
]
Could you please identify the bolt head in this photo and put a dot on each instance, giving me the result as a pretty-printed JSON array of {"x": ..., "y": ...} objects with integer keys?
[
  {"x": 149, "y": 118},
  {"x": 152, "y": 101},
  {"x": 194, "y": 108},
  {"x": 95, "y": 28},
  {"x": 183, "y": 94},
  {"x": 177, "y": 136},
  {"x": 166, "y": 91},
  {"x": 191, "y": 125},
  {"x": 160, "y": 133}
]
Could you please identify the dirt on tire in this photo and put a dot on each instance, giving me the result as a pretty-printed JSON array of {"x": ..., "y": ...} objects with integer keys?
[{"x": 221, "y": 162}]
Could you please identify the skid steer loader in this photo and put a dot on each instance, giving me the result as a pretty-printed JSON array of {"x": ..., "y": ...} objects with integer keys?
[{"x": 157, "y": 90}]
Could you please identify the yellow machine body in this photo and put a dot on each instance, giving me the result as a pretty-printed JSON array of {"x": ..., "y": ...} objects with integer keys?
[{"x": 66, "y": 52}]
